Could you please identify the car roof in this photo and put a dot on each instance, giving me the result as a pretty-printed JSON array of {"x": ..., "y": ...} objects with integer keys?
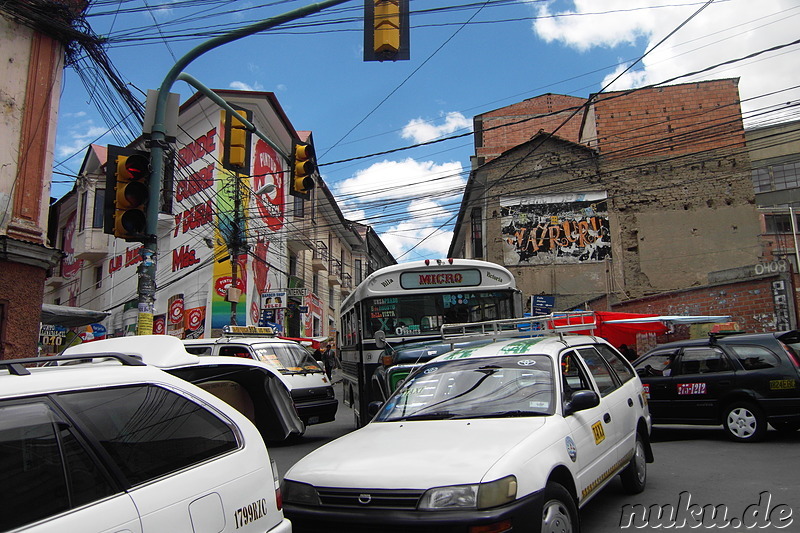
[
  {"x": 163, "y": 351},
  {"x": 550, "y": 345},
  {"x": 59, "y": 378},
  {"x": 239, "y": 340}
]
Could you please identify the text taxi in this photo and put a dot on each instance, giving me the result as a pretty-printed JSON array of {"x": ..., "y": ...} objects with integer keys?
[{"x": 515, "y": 435}]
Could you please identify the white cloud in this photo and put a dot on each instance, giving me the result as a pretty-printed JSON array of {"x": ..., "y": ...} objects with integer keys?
[
  {"x": 405, "y": 202},
  {"x": 79, "y": 136},
  {"x": 242, "y": 86},
  {"x": 722, "y": 32},
  {"x": 420, "y": 130}
]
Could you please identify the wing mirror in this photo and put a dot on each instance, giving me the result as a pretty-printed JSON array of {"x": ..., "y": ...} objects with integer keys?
[{"x": 582, "y": 400}]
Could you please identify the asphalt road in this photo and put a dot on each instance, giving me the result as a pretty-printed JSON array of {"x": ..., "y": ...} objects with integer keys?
[{"x": 695, "y": 468}]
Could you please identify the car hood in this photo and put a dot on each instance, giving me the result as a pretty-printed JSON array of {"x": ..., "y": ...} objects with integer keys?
[{"x": 418, "y": 454}]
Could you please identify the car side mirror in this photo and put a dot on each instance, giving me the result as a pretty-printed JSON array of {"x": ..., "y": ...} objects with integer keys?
[
  {"x": 380, "y": 339},
  {"x": 373, "y": 408},
  {"x": 582, "y": 400}
]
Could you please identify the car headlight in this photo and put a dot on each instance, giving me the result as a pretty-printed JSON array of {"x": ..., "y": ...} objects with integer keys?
[
  {"x": 479, "y": 496},
  {"x": 299, "y": 493}
]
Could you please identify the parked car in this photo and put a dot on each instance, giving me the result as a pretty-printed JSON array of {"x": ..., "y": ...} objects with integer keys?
[
  {"x": 513, "y": 435},
  {"x": 311, "y": 390},
  {"x": 742, "y": 381},
  {"x": 254, "y": 388},
  {"x": 114, "y": 445}
]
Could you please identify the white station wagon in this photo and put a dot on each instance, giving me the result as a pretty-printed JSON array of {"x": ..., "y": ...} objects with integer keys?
[
  {"x": 111, "y": 445},
  {"x": 515, "y": 435}
]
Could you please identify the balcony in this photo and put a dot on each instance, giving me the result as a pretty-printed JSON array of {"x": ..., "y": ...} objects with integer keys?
[
  {"x": 91, "y": 244},
  {"x": 334, "y": 273},
  {"x": 320, "y": 259}
]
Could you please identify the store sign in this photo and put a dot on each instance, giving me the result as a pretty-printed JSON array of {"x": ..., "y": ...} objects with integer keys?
[{"x": 273, "y": 300}]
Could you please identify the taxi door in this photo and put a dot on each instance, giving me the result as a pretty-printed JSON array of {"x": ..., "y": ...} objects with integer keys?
[
  {"x": 592, "y": 447},
  {"x": 703, "y": 374}
]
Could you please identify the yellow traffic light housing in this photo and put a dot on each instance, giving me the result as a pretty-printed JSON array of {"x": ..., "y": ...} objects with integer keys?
[
  {"x": 127, "y": 193},
  {"x": 303, "y": 166},
  {"x": 236, "y": 146},
  {"x": 386, "y": 30}
]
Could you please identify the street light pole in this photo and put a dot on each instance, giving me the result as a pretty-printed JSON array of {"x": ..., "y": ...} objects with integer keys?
[{"x": 158, "y": 144}]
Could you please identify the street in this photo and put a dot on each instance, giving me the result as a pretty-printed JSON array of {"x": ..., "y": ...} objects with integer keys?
[{"x": 694, "y": 466}]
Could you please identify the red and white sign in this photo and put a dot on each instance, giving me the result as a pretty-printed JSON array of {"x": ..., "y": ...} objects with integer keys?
[
  {"x": 268, "y": 168},
  {"x": 691, "y": 388}
]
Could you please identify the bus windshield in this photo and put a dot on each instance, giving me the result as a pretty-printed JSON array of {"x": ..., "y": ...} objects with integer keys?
[{"x": 424, "y": 314}]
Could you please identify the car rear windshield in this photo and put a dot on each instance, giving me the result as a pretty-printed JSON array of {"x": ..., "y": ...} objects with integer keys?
[
  {"x": 287, "y": 358},
  {"x": 475, "y": 388}
]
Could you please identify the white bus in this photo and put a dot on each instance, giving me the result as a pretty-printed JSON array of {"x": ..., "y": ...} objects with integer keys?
[{"x": 393, "y": 319}]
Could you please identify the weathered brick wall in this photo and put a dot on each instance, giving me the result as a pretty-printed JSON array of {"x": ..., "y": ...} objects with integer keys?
[
  {"x": 549, "y": 111},
  {"x": 749, "y": 303},
  {"x": 669, "y": 120}
]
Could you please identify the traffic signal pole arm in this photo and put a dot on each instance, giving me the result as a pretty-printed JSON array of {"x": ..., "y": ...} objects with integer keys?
[
  {"x": 158, "y": 140},
  {"x": 217, "y": 99}
]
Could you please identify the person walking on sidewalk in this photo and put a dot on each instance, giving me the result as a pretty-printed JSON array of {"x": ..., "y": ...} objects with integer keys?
[{"x": 329, "y": 360}]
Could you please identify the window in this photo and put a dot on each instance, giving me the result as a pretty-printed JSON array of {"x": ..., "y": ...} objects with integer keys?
[
  {"x": 703, "y": 360},
  {"x": 359, "y": 271},
  {"x": 477, "y": 233},
  {"x": 150, "y": 431},
  {"x": 98, "y": 277},
  {"x": 599, "y": 371},
  {"x": 777, "y": 177},
  {"x": 755, "y": 357},
  {"x": 45, "y": 469},
  {"x": 99, "y": 200},
  {"x": 620, "y": 367},
  {"x": 657, "y": 364},
  {"x": 299, "y": 207},
  {"x": 82, "y": 210},
  {"x": 573, "y": 376},
  {"x": 779, "y": 223},
  {"x": 292, "y": 265}
]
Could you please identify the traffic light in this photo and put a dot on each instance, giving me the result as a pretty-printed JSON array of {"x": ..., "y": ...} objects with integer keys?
[
  {"x": 303, "y": 165},
  {"x": 386, "y": 30},
  {"x": 236, "y": 148},
  {"x": 127, "y": 193}
]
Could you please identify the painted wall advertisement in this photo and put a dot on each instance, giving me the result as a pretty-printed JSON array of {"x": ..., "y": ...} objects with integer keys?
[
  {"x": 555, "y": 228},
  {"x": 194, "y": 263}
]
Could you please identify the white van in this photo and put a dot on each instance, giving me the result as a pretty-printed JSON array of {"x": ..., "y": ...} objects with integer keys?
[{"x": 310, "y": 388}]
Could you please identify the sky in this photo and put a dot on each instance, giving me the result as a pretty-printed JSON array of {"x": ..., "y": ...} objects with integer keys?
[{"x": 467, "y": 57}]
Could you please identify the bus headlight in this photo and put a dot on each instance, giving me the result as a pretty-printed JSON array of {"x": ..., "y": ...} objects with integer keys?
[
  {"x": 479, "y": 496},
  {"x": 299, "y": 493}
]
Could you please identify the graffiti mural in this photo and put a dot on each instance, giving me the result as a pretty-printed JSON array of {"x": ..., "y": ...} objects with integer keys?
[{"x": 555, "y": 228}]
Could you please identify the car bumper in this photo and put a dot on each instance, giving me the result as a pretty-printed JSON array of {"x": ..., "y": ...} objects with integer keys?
[
  {"x": 524, "y": 514},
  {"x": 285, "y": 526},
  {"x": 316, "y": 411}
]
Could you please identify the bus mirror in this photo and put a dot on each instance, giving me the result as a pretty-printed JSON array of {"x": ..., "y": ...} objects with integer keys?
[{"x": 380, "y": 339}]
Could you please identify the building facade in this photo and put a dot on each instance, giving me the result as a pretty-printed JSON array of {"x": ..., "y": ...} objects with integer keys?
[
  {"x": 291, "y": 259},
  {"x": 30, "y": 79},
  {"x": 652, "y": 195}
]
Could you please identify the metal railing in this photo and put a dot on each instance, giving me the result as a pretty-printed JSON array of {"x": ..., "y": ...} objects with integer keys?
[{"x": 555, "y": 323}]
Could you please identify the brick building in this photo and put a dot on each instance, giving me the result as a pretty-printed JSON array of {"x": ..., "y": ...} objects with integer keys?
[{"x": 652, "y": 196}]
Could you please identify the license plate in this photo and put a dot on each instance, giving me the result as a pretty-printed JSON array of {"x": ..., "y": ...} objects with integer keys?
[{"x": 313, "y": 419}]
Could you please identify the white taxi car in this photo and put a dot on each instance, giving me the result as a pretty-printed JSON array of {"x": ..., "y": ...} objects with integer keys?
[
  {"x": 113, "y": 445},
  {"x": 515, "y": 435}
]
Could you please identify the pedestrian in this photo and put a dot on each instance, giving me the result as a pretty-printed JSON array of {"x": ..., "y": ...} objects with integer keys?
[
  {"x": 628, "y": 352},
  {"x": 329, "y": 359},
  {"x": 318, "y": 355}
]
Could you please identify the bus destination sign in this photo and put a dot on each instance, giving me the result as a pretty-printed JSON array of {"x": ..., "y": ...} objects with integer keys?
[{"x": 443, "y": 278}]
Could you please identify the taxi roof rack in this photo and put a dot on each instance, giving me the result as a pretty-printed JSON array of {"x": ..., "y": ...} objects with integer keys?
[
  {"x": 17, "y": 367},
  {"x": 247, "y": 331},
  {"x": 534, "y": 326}
]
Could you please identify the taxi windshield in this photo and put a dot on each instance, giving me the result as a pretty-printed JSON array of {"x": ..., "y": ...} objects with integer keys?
[
  {"x": 287, "y": 358},
  {"x": 475, "y": 388}
]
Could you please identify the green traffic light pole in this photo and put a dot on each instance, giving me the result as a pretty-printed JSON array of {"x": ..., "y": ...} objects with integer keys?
[{"x": 158, "y": 143}]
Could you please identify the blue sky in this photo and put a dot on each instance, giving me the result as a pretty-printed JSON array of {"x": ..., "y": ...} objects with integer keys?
[{"x": 472, "y": 58}]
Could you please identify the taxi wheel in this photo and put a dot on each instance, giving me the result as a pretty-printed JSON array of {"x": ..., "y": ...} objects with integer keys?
[
  {"x": 559, "y": 514},
  {"x": 744, "y": 422},
  {"x": 634, "y": 477}
]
